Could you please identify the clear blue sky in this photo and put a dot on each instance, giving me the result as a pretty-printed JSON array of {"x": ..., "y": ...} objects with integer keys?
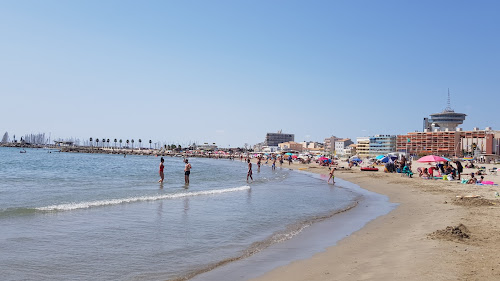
[{"x": 230, "y": 71}]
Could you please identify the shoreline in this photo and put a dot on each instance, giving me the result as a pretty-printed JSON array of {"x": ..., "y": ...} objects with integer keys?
[
  {"x": 410, "y": 242},
  {"x": 311, "y": 240}
]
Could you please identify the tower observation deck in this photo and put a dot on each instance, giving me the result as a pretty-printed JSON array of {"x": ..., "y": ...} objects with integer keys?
[{"x": 448, "y": 119}]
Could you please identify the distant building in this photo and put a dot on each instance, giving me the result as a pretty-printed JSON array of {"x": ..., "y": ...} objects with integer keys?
[
  {"x": 382, "y": 145},
  {"x": 62, "y": 143},
  {"x": 330, "y": 144},
  {"x": 375, "y": 145},
  {"x": 341, "y": 145},
  {"x": 350, "y": 150},
  {"x": 273, "y": 139},
  {"x": 451, "y": 143},
  {"x": 207, "y": 147},
  {"x": 448, "y": 120},
  {"x": 260, "y": 147},
  {"x": 363, "y": 147},
  {"x": 290, "y": 146},
  {"x": 307, "y": 145}
]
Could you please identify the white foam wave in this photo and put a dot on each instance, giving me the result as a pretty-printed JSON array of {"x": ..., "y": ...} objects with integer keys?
[{"x": 100, "y": 203}]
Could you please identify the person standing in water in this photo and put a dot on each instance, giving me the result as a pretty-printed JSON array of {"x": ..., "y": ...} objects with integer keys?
[
  {"x": 249, "y": 174},
  {"x": 162, "y": 176},
  {"x": 258, "y": 163},
  {"x": 187, "y": 171},
  {"x": 332, "y": 176}
]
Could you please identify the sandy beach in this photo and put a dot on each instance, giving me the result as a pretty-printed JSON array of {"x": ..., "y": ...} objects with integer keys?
[{"x": 431, "y": 235}]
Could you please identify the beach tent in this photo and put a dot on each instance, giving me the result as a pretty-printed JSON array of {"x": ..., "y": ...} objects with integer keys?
[
  {"x": 380, "y": 157},
  {"x": 355, "y": 158},
  {"x": 431, "y": 158}
]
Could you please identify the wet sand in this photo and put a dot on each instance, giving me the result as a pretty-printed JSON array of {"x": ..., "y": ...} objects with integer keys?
[{"x": 417, "y": 240}]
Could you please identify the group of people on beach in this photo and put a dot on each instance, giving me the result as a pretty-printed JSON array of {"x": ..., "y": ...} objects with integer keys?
[
  {"x": 274, "y": 159},
  {"x": 187, "y": 170},
  {"x": 450, "y": 172}
]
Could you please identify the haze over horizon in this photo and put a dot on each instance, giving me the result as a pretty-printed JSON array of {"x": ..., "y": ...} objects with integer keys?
[{"x": 228, "y": 72}]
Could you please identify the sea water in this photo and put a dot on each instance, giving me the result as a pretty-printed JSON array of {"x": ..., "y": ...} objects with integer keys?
[{"x": 76, "y": 216}]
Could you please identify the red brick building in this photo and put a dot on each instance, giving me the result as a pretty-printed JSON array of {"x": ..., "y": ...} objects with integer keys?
[{"x": 449, "y": 143}]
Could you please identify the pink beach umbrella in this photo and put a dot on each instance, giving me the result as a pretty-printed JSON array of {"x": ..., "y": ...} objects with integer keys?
[{"x": 431, "y": 158}]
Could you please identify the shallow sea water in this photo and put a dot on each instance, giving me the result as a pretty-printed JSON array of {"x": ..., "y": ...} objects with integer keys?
[{"x": 66, "y": 216}]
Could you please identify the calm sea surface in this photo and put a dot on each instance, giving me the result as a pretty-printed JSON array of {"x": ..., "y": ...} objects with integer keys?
[{"x": 67, "y": 216}]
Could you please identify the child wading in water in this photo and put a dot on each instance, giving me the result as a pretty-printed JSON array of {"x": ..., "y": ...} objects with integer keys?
[{"x": 332, "y": 176}]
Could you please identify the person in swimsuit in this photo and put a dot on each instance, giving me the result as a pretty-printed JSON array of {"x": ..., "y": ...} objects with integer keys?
[
  {"x": 162, "y": 176},
  {"x": 187, "y": 171},
  {"x": 274, "y": 164},
  {"x": 332, "y": 176},
  {"x": 460, "y": 169},
  {"x": 258, "y": 163},
  {"x": 249, "y": 174}
]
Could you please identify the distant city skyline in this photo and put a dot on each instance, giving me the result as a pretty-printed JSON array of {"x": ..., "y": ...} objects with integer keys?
[{"x": 228, "y": 72}]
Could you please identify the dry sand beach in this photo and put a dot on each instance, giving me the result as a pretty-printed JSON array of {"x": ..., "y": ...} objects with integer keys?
[{"x": 431, "y": 235}]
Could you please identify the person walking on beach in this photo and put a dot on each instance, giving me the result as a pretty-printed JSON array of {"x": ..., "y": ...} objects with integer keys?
[
  {"x": 460, "y": 169},
  {"x": 249, "y": 174},
  {"x": 332, "y": 176},
  {"x": 274, "y": 164},
  {"x": 162, "y": 176},
  {"x": 187, "y": 171}
]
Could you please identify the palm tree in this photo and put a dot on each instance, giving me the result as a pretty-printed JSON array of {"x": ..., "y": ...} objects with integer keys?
[
  {"x": 120, "y": 143},
  {"x": 127, "y": 143},
  {"x": 150, "y": 144},
  {"x": 132, "y": 143},
  {"x": 97, "y": 142},
  {"x": 115, "y": 143},
  {"x": 107, "y": 142},
  {"x": 91, "y": 142},
  {"x": 140, "y": 143},
  {"x": 103, "y": 141}
]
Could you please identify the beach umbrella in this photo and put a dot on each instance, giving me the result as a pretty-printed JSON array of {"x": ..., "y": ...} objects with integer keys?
[
  {"x": 354, "y": 158},
  {"x": 446, "y": 159},
  {"x": 380, "y": 157},
  {"x": 323, "y": 158},
  {"x": 294, "y": 156},
  {"x": 385, "y": 159},
  {"x": 288, "y": 153},
  {"x": 431, "y": 158}
]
